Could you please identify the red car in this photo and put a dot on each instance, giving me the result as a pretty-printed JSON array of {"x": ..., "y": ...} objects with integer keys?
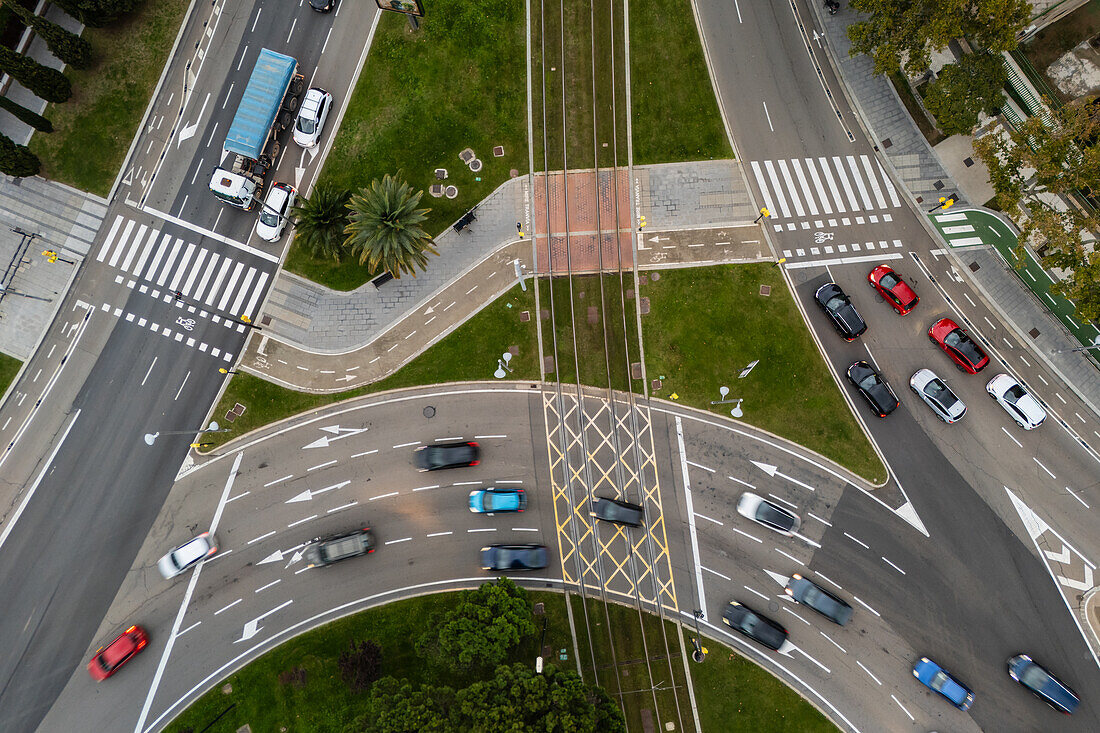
[
  {"x": 962, "y": 349},
  {"x": 109, "y": 658},
  {"x": 891, "y": 287}
]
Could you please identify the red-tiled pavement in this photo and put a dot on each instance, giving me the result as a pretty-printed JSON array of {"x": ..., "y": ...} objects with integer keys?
[{"x": 581, "y": 218}]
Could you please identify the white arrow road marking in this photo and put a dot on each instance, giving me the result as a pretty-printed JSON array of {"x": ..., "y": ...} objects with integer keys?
[
  {"x": 308, "y": 494},
  {"x": 273, "y": 557},
  {"x": 1062, "y": 558},
  {"x": 128, "y": 179},
  {"x": 778, "y": 578},
  {"x": 224, "y": 154},
  {"x": 773, "y": 471},
  {"x": 189, "y": 130},
  {"x": 1084, "y": 585},
  {"x": 430, "y": 311},
  {"x": 253, "y": 627},
  {"x": 293, "y": 559},
  {"x": 339, "y": 432},
  {"x": 909, "y": 514}
]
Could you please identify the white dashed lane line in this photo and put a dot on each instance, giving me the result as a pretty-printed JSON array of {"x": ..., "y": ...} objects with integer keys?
[{"x": 715, "y": 572}]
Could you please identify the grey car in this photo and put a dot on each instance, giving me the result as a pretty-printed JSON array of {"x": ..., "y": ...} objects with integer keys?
[
  {"x": 809, "y": 593},
  {"x": 936, "y": 394},
  {"x": 617, "y": 512},
  {"x": 339, "y": 547}
]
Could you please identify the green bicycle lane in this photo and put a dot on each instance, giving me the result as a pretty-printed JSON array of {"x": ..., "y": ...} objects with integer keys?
[{"x": 976, "y": 227}]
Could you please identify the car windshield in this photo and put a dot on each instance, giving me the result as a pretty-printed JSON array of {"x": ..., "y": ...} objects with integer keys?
[
  {"x": 836, "y": 302},
  {"x": 959, "y": 340},
  {"x": 939, "y": 681},
  {"x": 268, "y": 218},
  {"x": 615, "y": 512},
  {"x": 306, "y": 124},
  {"x": 1034, "y": 676},
  {"x": 1014, "y": 393},
  {"x": 938, "y": 391},
  {"x": 889, "y": 281},
  {"x": 868, "y": 383},
  {"x": 771, "y": 515}
]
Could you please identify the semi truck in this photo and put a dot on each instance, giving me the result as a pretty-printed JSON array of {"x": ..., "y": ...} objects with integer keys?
[{"x": 266, "y": 109}]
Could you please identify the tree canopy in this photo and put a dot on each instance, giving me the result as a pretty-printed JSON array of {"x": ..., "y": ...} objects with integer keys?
[
  {"x": 963, "y": 90},
  {"x": 909, "y": 30},
  {"x": 385, "y": 230}
]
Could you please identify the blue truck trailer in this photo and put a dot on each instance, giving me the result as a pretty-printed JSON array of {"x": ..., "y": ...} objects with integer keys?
[{"x": 266, "y": 109}]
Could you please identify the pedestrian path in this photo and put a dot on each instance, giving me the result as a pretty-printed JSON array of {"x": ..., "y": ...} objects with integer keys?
[
  {"x": 166, "y": 261},
  {"x": 850, "y": 189}
]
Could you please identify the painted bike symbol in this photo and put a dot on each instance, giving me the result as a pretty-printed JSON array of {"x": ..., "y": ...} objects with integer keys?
[
  {"x": 821, "y": 237},
  {"x": 187, "y": 323},
  {"x": 261, "y": 363}
]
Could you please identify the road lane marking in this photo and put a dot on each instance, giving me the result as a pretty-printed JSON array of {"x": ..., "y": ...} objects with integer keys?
[
  {"x": 756, "y": 592},
  {"x": 861, "y": 544},
  {"x": 406, "y": 445},
  {"x": 364, "y": 453},
  {"x": 261, "y": 537},
  {"x": 1010, "y": 437},
  {"x": 779, "y": 498},
  {"x": 321, "y": 465},
  {"x": 867, "y": 607},
  {"x": 784, "y": 554},
  {"x": 744, "y": 483},
  {"x": 284, "y": 478},
  {"x": 150, "y": 371},
  {"x": 1043, "y": 467},
  {"x": 822, "y": 576},
  {"x": 184, "y": 631},
  {"x": 788, "y": 610},
  {"x": 180, "y": 391},
  {"x": 830, "y": 639},
  {"x": 747, "y": 535},
  {"x": 895, "y": 567},
  {"x": 384, "y": 496},
  {"x": 720, "y": 575},
  {"x": 301, "y": 521},
  {"x": 876, "y": 679},
  {"x": 226, "y": 608},
  {"x": 440, "y": 534},
  {"x": 814, "y": 516},
  {"x": 903, "y": 708},
  {"x": 703, "y": 516},
  {"x": 265, "y": 587},
  {"x": 342, "y": 507},
  {"x": 394, "y": 542},
  {"x": 488, "y": 437},
  {"x": 690, "y": 514},
  {"x": 427, "y": 488}
]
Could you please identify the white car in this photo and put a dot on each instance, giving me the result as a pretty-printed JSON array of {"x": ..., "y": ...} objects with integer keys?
[
  {"x": 772, "y": 516},
  {"x": 1017, "y": 401},
  {"x": 274, "y": 212},
  {"x": 187, "y": 554},
  {"x": 937, "y": 395},
  {"x": 311, "y": 117}
]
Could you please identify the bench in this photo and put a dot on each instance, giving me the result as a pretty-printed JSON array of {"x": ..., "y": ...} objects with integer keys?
[{"x": 381, "y": 280}]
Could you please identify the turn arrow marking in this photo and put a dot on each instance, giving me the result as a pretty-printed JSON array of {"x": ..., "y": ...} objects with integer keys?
[
  {"x": 339, "y": 432},
  {"x": 307, "y": 494},
  {"x": 773, "y": 471}
]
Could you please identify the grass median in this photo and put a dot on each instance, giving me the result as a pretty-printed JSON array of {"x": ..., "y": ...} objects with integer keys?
[
  {"x": 94, "y": 129},
  {"x": 9, "y": 367}
]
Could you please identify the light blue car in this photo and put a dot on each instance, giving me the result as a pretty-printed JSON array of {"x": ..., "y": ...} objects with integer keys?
[
  {"x": 491, "y": 501},
  {"x": 935, "y": 678}
]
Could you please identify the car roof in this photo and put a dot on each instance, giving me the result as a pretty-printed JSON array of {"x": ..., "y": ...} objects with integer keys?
[
  {"x": 277, "y": 195},
  {"x": 192, "y": 550},
  {"x": 118, "y": 650}
]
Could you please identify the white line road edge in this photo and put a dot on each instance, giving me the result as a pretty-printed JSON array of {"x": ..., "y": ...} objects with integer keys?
[{"x": 691, "y": 516}]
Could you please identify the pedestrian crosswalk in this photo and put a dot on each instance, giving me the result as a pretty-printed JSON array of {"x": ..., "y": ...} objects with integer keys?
[
  {"x": 200, "y": 275},
  {"x": 824, "y": 186}
]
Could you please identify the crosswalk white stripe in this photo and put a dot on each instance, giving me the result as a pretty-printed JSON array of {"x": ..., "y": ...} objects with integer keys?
[
  {"x": 853, "y": 204},
  {"x": 797, "y": 165},
  {"x": 110, "y": 238},
  {"x": 256, "y": 291},
  {"x": 156, "y": 258},
  {"x": 226, "y": 262},
  {"x": 790, "y": 187},
  {"x": 756, "y": 171},
  {"x": 129, "y": 250},
  {"x": 828, "y": 173},
  {"x": 182, "y": 267},
  {"x": 242, "y": 291},
  {"x": 168, "y": 263},
  {"x": 140, "y": 244},
  {"x": 854, "y": 166},
  {"x": 874, "y": 181},
  {"x": 818, "y": 187},
  {"x": 122, "y": 241},
  {"x": 889, "y": 186},
  {"x": 195, "y": 269},
  {"x": 229, "y": 286},
  {"x": 778, "y": 188},
  {"x": 150, "y": 244},
  {"x": 214, "y": 257}
]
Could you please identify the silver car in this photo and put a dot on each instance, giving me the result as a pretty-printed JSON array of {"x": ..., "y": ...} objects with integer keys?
[
  {"x": 937, "y": 395},
  {"x": 772, "y": 516},
  {"x": 1017, "y": 401},
  {"x": 188, "y": 554}
]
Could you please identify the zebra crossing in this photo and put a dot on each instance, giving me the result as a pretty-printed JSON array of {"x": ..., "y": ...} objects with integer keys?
[
  {"x": 826, "y": 186},
  {"x": 166, "y": 261}
]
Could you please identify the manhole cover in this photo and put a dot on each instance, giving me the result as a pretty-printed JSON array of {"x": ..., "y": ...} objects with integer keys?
[
  {"x": 765, "y": 290},
  {"x": 974, "y": 267},
  {"x": 429, "y": 411},
  {"x": 773, "y": 606},
  {"x": 1034, "y": 333}
]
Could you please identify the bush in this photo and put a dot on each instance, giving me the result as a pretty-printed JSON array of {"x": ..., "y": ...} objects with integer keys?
[
  {"x": 17, "y": 160},
  {"x": 97, "y": 13},
  {"x": 65, "y": 45},
  {"x": 49, "y": 84},
  {"x": 30, "y": 117}
]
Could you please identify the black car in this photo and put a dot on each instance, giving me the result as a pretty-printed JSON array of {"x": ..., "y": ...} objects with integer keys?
[
  {"x": 618, "y": 512},
  {"x": 322, "y": 6},
  {"x": 339, "y": 547},
  {"x": 809, "y": 593},
  {"x": 838, "y": 306},
  {"x": 1043, "y": 684},
  {"x": 872, "y": 386},
  {"x": 513, "y": 557},
  {"x": 447, "y": 455},
  {"x": 753, "y": 625}
]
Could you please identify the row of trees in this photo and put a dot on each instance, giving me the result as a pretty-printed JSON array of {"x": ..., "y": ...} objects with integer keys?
[
  {"x": 47, "y": 83},
  {"x": 380, "y": 225}
]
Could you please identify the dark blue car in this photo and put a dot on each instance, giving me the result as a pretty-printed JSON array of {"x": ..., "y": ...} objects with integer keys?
[
  {"x": 1043, "y": 684},
  {"x": 936, "y": 678}
]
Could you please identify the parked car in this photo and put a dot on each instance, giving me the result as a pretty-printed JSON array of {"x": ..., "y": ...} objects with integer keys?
[
  {"x": 838, "y": 306},
  {"x": 809, "y": 593},
  {"x": 311, "y": 117},
  {"x": 274, "y": 212},
  {"x": 873, "y": 387},
  {"x": 936, "y": 678},
  {"x": 759, "y": 628},
  {"x": 186, "y": 555},
  {"x": 617, "y": 512},
  {"x": 893, "y": 289},
  {"x": 767, "y": 513},
  {"x": 513, "y": 557},
  {"x": 937, "y": 395},
  {"x": 447, "y": 455},
  {"x": 491, "y": 501},
  {"x": 339, "y": 547},
  {"x": 1043, "y": 684},
  {"x": 120, "y": 651},
  {"x": 957, "y": 344},
  {"x": 1020, "y": 405}
]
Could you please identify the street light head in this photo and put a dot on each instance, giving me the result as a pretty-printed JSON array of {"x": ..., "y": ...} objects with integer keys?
[
  {"x": 213, "y": 425},
  {"x": 151, "y": 438},
  {"x": 499, "y": 373},
  {"x": 507, "y": 356}
]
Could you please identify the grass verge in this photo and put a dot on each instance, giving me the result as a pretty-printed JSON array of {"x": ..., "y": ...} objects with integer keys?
[
  {"x": 737, "y": 696},
  {"x": 916, "y": 111},
  {"x": 94, "y": 129},
  {"x": 707, "y": 323},
  {"x": 424, "y": 97},
  {"x": 673, "y": 84},
  {"x": 467, "y": 353},
  {"x": 271, "y": 695},
  {"x": 9, "y": 367}
]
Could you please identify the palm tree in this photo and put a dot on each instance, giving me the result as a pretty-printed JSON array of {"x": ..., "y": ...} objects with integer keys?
[
  {"x": 385, "y": 232},
  {"x": 320, "y": 221}
]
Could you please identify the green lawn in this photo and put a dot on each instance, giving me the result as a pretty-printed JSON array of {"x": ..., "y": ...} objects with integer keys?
[
  {"x": 424, "y": 97},
  {"x": 94, "y": 129},
  {"x": 670, "y": 81},
  {"x": 707, "y": 323},
  {"x": 9, "y": 367},
  {"x": 735, "y": 695},
  {"x": 266, "y": 696},
  {"x": 467, "y": 353}
]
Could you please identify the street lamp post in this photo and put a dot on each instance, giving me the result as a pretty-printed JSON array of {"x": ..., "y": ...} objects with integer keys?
[
  {"x": 945, "y": 203},
  {"x": 151, "y": 438},
  {"x": 1094, "y": 345}
]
